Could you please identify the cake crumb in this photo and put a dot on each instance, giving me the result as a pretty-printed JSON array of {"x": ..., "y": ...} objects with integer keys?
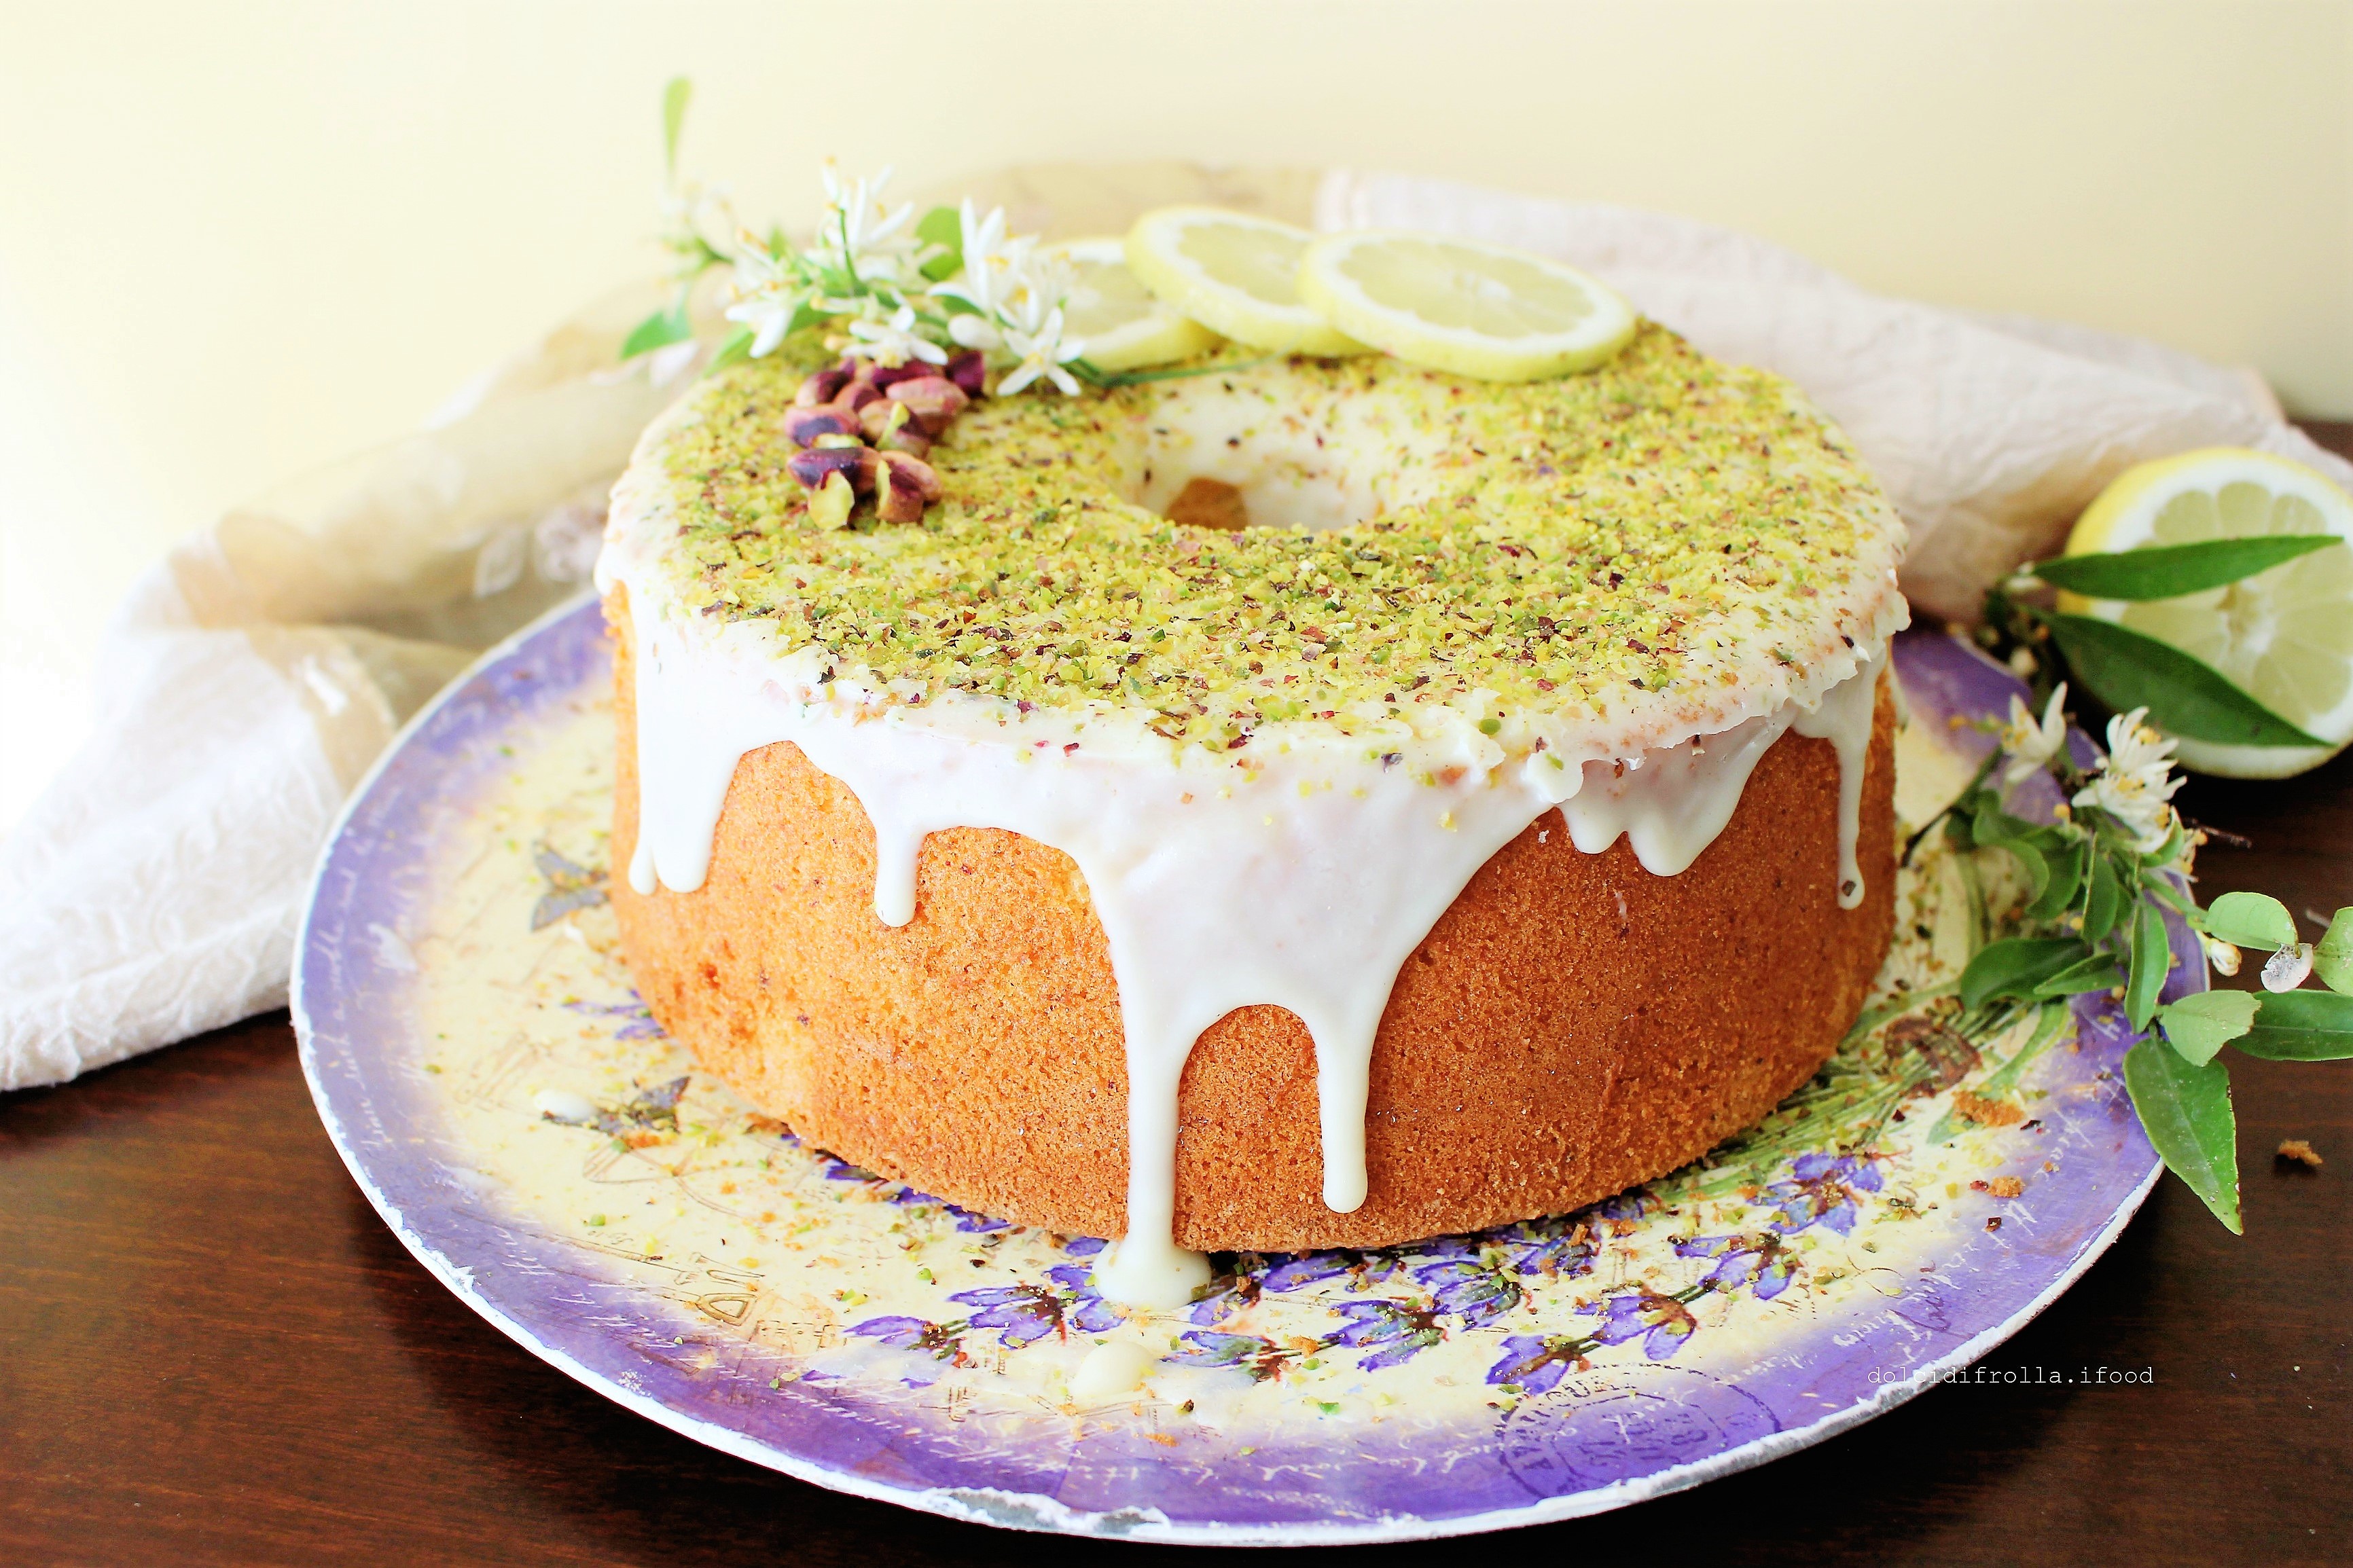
[
  {"x": 2006, "y": 1187},
  {"x": 1986, "y": 1112},
  {"x": 2295, "y": 1151}
]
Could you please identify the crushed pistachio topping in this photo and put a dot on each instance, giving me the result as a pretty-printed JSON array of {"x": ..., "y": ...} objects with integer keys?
[{"x": 1558, "y": 547}]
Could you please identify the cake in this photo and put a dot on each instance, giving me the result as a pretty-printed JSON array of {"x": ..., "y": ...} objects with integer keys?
[{"x": 1501, "y": 820}]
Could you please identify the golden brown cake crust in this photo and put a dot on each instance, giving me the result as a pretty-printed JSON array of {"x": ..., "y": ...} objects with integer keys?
[{"x": 1571, "y": 1027}]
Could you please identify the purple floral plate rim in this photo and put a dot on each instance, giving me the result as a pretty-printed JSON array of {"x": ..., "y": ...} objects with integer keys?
[{"x": 360, "y": 1108}]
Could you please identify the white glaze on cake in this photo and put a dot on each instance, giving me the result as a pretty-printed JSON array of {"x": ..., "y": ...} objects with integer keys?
[{"x": 1301, "y": 881}]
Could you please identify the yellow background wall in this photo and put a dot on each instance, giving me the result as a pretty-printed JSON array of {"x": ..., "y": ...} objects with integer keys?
[{"x": 237, "y": 240}]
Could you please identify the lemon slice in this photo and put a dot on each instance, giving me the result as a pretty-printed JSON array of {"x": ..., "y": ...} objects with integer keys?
[
  {"x": 1235, "y": 274},
  {"x": 1457, "y": 305},
  {"x": 1124, "y": 325},
  {"x": 2283, "y": 636}
]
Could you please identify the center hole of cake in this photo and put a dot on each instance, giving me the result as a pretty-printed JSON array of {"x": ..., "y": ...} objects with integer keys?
[{"x": 1265, "y": 471}]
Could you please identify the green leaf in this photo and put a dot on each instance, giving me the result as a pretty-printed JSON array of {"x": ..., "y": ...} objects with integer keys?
[
  {"x": 2199, "y": 1026},
  {"x": 2183, "y": 696},
  {"x": 660, "y": 330},
  {"x": 2152, "y": 955},
  {"x": 735, "y": 349},
  {"x": 2251, "y": 919},
  {"x": 1990, "y": 824},
  {"x": 945, "y": 228},
  {"x": 2067, "y": 882},
  {"x": 2106, "y": 899},
  {"x": 2302, "y": 1026},
  {"x": 2332, "y": 957},
  {"x": 674, "y": 96},
  {"x": 2186, "y": 1112},
  {"x": 1994, "y": 828},
  {"x": 806, "y": 314},
  {"x": 2165, "y": 853},
  {"x": 2097, "y": 973},
  {"x": 2016, "y": 965},
  {"x": 2169, "y": 570}
]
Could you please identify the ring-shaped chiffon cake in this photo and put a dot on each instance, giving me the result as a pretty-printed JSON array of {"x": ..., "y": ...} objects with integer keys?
[{"x": 1503, "y": 821}]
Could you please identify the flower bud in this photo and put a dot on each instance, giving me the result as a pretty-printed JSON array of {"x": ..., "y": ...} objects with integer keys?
[
  {"x": 2288, "y": 968},
  {"x": 934, "y": 401},
  {"x": 821, "y": 388}
]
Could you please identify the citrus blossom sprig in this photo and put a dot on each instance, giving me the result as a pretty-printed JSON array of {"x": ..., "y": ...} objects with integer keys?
[
  {"x": 2102, "y": 876},
  {"x": 885, "y": 287}
]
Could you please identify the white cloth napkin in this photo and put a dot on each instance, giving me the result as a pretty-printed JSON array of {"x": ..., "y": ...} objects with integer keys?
[{"x": 151, "y": 892}]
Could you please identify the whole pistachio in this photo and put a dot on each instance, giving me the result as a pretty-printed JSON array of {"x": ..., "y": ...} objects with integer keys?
[
  {"x": 969, "y": 371},
  {"x": 895, "y": 500},
  {"x": 913, "y": 472},
  {"x": 934, "y": 400},
  {"x": 829, "y": 503},
  {"x": 814, "y": 467},
  {"x": 879, "y": 418},
  {"x": 906, "y": 438},
  {"x": 821, "y": 388},
  {"x": 804, "y": 425},
  {"x": 856, "y": 395},
  {"x": 885, "y": 377}
]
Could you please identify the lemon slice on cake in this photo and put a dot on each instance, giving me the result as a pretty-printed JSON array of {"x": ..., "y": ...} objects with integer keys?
[
  {"x": 2283, "y": 636},
  {"x": 1124, "y": 325},
  {"x": 1235, "y": 274},
  {"x": 1481, "y": 310}
]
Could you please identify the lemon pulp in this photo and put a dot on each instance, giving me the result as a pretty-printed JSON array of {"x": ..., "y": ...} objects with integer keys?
[
  {"x": 1475, "y": 310},
  {"x": 1235, "y": 274}
]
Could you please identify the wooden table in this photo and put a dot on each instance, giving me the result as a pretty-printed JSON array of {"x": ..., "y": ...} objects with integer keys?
[{"x": 211, "y": 1350}]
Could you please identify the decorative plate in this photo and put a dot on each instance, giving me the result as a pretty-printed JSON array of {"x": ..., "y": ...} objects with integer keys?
[{"x": 517, "y": 1117}]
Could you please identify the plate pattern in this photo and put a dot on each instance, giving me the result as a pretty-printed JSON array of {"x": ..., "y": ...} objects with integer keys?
[{"x": 523, "y": 1123}]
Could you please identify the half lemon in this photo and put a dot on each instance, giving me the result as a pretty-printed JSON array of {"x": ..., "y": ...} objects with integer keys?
[
  {"x": 1475, "y": 310},
  {"x": 1124, "y": 325},
  {"x": 1236, "y": 275},
  {"x": 2283, "y": 636}
]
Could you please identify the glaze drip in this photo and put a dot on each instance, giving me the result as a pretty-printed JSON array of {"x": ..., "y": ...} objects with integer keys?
[{"x": 1341, "y": 864}]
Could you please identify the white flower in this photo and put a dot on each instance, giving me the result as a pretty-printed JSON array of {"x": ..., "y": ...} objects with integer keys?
[
  {"x": 1043, "y": 354},
  {"x": 696, "y": 225},
  {"x": 2288, "y": 968},
  {"x": 1034, "y": 293},
  {"x": 767, "y": 293},
  {"x": 2030, "y": 747},
  {"x": 892, "y": 341},
  {"x": 993, "y": 266},
  {"x": 859, "y": 235},
  {"x": 2134, "y": 781}
]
